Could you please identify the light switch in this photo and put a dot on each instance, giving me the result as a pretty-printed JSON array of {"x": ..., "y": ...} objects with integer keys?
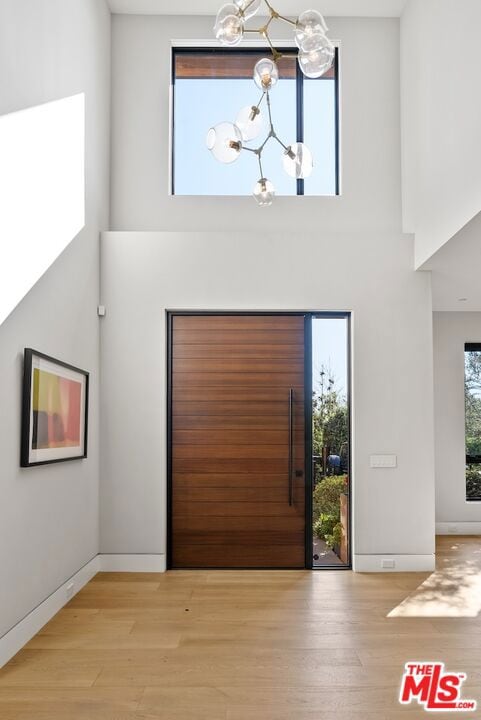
[{"x": 383, "y": 461}]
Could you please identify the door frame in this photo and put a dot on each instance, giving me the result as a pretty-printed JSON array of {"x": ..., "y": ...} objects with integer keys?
[{"x": 308, "y": 316}]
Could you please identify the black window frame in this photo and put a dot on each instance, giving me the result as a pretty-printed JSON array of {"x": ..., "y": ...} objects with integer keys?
[
  {"x": 300, "y": 79},
  {"x": 470, "y": 459}
]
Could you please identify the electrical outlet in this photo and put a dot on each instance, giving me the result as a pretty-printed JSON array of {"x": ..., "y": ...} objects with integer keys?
[
  {"x": 70, "y": 589},
  {"x": 388, "y": 564}
]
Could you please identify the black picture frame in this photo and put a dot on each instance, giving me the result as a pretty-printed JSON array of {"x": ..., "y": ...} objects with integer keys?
[{"x": 33, "y": 456}]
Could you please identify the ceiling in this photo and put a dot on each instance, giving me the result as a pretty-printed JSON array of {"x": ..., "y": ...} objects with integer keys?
[{"x": 330, "y": 8}]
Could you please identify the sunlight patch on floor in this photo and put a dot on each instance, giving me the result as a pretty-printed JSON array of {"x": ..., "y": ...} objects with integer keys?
[{"x": 453, "y": 590}]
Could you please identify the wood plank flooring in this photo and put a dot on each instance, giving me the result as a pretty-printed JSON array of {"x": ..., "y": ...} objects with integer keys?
[{"x": 246, "y": 645}]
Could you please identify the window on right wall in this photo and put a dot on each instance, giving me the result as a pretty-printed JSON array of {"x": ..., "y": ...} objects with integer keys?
[{"x": 472, "y": 400}]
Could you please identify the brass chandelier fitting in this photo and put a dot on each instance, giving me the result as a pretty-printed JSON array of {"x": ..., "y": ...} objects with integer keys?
[{"x": 227, "y": 140}]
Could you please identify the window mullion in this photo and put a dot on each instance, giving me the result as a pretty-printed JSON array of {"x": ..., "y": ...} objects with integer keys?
[{"x": 300, "y": 117}]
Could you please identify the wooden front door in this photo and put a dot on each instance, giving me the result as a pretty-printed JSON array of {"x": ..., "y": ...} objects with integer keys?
[{"x": 238, "y": 450}]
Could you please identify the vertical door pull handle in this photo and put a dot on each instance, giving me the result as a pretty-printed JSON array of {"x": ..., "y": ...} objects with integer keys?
[{"x": 291, "y": 402}]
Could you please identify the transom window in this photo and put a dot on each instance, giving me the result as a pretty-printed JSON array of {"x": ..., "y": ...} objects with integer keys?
[{"x": 213, "y": 84}]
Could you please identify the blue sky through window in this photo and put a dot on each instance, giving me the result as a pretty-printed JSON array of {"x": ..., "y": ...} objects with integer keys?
[
  {"x": 329, "y": 350},
  {"x": 320, "y": 135}
]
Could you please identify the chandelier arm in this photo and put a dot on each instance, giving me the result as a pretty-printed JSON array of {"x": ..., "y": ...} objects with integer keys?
[
  {"x": 260, "y": 163},
  {"x": 269, "y": 110},
  {"x": 285, "y": 19},
  {"x": 275, "y": 14},
  {"x": 280, "y": 141},
  {"x": 269, "y": 21},
  {"x": 261, "y": 147},
  {"x": 275, "y": 53},
  {"x": 260, "y": 101},
  {"x": 252, "y": 150}
]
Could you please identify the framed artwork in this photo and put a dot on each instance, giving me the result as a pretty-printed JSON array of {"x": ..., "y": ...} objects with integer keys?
[{"x": 54, "y": 412}]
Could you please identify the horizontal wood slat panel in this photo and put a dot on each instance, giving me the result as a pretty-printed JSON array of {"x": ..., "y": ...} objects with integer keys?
[
  {"x": 183, "y": 394},
  {"x": 231, "y": 337},
  {"x": 236, "y": 409},
  {"x": 238, "y": 322},
  {"x": 232, "y": 480},
  {"x": 238, "y": 365},
  {"x": 242, "y": 494},
  {"x": 217, "y": 452},
  {"x": 252, "y": 511},
  {"x": 223, "y": 465},
  {"x": 238, "y": 350},
  {"x": 231, "y": 394},
  {"x": 202, "y": 422},
  {"x": 234, "y": 523},
  {"x": 240, "y": 537},
  {"x": 234, "y": 438},
  {"x": 244, "y": 379},
  {"x": 281, "y": 556}
]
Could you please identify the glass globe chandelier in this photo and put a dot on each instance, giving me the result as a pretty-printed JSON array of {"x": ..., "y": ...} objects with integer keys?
[{"x": 316, "y": 54}]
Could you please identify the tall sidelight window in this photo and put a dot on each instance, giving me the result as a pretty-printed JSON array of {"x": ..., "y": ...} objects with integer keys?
[
  {"x": 212, "y": 84},
  {"x": 472, "y": 399},
  {"x": 330, "y": 441}
]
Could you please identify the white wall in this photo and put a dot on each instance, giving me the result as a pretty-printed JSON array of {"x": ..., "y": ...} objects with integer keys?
[
  {"x": 143, "y": 274},
  {"x": 451, "y": 330},
  {"x": 371, "y": 181},
  {"x": 441, "y": 117},
  {"x": 51, "y": 49},
  {"x": 455, "y": 270}
]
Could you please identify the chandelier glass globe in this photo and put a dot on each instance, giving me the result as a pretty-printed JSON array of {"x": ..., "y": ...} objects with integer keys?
[
  {"x": 297, "y": 161},
  {"x": 225, "y": 142},
  {"x": 317, "y": 57},
  {"x": 250, "y": 122},
  {"x": 264, "y": 192},
  {"x": 309, "y": 23},
  {"x": 248, "y": 8},
  {"x": 229, "y": 27},
  {"x": 266, "y": 74}
]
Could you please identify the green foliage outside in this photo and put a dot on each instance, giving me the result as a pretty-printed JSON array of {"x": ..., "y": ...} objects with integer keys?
[
  {"x": 329, "y": 416},
  {"x": 326, "y": 509},
  {"x": 473, "y": 482},
  {"x": 325, "y": 498},
  {"x": 330, "y": 436}
]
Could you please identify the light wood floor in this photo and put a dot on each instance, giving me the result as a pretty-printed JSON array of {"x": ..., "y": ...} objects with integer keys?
[{"x": 251, "y": 645}]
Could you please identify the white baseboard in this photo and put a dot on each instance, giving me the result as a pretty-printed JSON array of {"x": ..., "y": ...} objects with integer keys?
[
  {"x": 402, "y": 563},
  {"x": 23, "y": 631},
  {"x": 458, "y": 528},
  {"x": 132, "y": 563},
  {"x": 15, "y": 639}
]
